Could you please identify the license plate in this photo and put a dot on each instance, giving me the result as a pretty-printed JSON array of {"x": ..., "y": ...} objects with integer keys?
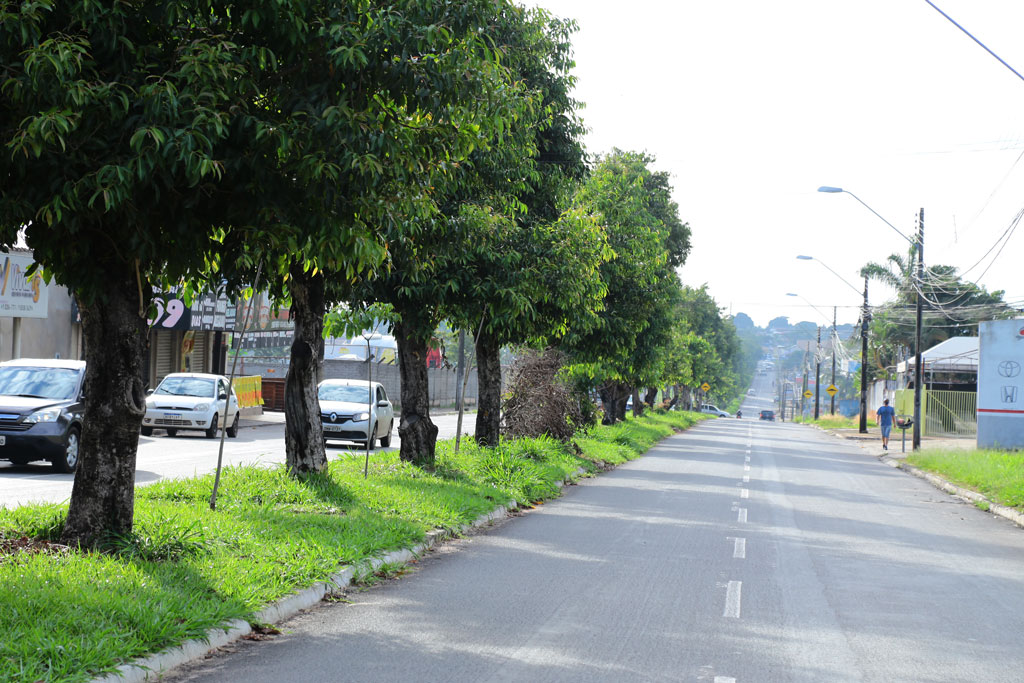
[
  {"x": 173, "y": 416},
  {"x": 332, "y": 428}
]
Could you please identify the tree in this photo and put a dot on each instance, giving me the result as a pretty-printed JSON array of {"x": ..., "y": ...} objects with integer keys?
[
  {"x": 951, "y": 307},
  {"x": 363, "y": 107},
  {"x": 649, "y": 241},
  {"x": 112, "y": 117}
]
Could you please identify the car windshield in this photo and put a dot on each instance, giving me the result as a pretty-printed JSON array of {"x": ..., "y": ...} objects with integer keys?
[
  {"x": 343, "y": 392},
  {"x": 58, "y": 384},
  {"x": 187, "y": 386}
]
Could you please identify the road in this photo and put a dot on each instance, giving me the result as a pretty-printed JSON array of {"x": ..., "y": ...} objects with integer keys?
[
  {"x": 739, "y": 550},
  {"x": 186, "y": 455}
]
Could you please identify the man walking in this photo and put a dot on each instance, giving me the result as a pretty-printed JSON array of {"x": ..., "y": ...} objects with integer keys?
[{"x": 885, "y": 414}]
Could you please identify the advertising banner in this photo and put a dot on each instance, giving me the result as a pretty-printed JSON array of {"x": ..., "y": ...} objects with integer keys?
[{"x": 21, "y": 296}]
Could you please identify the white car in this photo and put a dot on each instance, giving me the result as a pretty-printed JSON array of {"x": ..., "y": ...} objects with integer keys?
[
  {"x": 350, "y": 409},
  {"x": 192, "y": 401},
  {"x": 713, "y": 410}
]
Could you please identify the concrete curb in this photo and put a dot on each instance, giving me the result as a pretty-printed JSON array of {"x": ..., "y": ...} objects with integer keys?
[
  {"x": 153, "y": 667},
  {"x": 963, "y": 494}
]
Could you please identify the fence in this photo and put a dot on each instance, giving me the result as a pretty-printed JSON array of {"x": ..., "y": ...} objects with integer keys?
[
  {"x": 442, "y": 381},
  {"x": 943, "y": 413}
]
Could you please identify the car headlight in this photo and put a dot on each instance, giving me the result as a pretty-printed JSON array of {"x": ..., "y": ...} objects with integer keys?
[
  {"x": 361, "y": 417},
  {"x": 44, "y": 415},
  {"x": 201, "y": 407}
]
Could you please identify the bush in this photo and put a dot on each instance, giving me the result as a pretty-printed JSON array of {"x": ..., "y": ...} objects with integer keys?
[{"x": 539, "y": 403}]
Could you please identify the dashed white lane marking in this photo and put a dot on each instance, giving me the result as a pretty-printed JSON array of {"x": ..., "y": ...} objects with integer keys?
[
  {"x": 739, "y": 548},
  {"x": 746, "y": 459},
  {"x": 744, "y": 493},
  {"x": 732, "y": 600},
  {"x": 748, "y": 451},
  {"x": 746, "y": 467},
  {"x": 746, "y": 478},
  {"x": 741, "y": 515},
  {"x": 724, "y": 679}
]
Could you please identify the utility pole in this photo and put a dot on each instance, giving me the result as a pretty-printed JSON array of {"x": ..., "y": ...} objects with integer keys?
[
  {"x": 864, "y": 362},
  {"x": 834, "y": 335},
  {"x": 803, "y": 390},
  {"x": 918, "y": 285},
  {"x": 817, "y": 376}
]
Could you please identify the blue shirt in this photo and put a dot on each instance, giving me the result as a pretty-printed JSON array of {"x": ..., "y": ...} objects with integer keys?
[{"x": 885, "y": 416}]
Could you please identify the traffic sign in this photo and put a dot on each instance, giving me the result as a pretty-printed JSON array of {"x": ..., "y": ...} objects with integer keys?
[
  {"x": 832, "y": 390},
  {"x": 808, "y": 394},
  {"x": 704, "y": 387}
]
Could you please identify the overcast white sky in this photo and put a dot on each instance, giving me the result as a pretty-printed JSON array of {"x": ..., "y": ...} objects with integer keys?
[{"x": 753, "y": 105}]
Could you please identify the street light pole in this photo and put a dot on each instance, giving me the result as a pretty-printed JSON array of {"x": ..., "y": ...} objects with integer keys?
[
  {"x": 817, "y": 376},
  {"x": 832, "y": 411},
  {"x": 917, "y": 344},
  {"x": 864, "y": 362}
]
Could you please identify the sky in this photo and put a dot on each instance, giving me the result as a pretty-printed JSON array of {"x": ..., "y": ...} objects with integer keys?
[{"x": 753, "y": 105}]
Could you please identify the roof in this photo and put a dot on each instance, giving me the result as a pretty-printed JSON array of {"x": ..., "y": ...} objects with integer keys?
[{"x": 956, "y": 354}]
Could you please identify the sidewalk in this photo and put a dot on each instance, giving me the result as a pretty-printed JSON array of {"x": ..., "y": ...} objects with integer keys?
[{"x": 872, "y": 442}]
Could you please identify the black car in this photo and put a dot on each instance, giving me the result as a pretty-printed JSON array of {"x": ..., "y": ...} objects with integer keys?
[
  {"x": 768, "y": 415},
  {"x": 41, "y": 411}
]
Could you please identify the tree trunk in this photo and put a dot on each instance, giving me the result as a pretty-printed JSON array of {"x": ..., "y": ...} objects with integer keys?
[
  {"x": 417, "y": 433},
  {"x": 651, "y": 396},
  {"x": 116, "y": 339},
  {"x": 488, "y": 372},
  {"x": 638, "y": 407},
  {"x": 613, "y": 401},
  {"x": 303, "y": 434}
]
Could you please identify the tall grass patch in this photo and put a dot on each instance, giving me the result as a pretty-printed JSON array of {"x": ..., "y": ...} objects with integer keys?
[{"x": 999, "y": 475}]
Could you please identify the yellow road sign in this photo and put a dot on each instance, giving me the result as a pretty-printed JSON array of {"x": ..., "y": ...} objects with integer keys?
[
  {"x": 808, "y": 394},
  {"x": 832, "y": 390},
  {"x": 705, "y": 386}
]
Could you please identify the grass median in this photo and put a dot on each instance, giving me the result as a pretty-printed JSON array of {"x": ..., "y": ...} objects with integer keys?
[
  {"x": 68, "y": 615},
  {"x": 998, "y": 475}
]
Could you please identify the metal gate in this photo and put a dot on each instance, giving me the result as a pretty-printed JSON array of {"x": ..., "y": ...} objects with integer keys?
[{"x": 951, "y": 413}]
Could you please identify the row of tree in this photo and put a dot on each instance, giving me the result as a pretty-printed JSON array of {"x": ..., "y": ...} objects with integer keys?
[{"x": 421, "y": 156}]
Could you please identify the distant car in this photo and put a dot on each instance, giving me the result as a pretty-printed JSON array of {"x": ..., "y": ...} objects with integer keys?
[
  {"x": 348, "y": 414},
  {"x": 191, "y": 401},
  {"x": 713, "y": 410},
  {"x": 751, "y": 392},
  {"x": 41, "y": 411},
  {"x": 768, "y": 415}
]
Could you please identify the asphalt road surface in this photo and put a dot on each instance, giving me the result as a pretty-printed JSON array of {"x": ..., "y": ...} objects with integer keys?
[
  {"x": 186, "y": 455},
  {"x": 740, "y": 550}
]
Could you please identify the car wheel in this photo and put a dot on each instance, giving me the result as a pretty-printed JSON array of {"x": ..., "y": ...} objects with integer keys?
[
  {"x": 233, "y": 429},
  {"x": 371, "y": 437},
  {"x": 68, "y": 460},
  {"x": 147, "y": 431},
  {"x": 385, "y": 441},
  {"x": 171, "y": 432},
  {"x": 211, "y": 433}
]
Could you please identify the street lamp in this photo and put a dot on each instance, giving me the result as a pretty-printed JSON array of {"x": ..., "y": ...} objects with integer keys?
[
  {"x": 918, "y": 244},
  {"x": 863, "y": 347}
]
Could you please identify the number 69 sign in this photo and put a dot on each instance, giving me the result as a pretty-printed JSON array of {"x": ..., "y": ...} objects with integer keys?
[{"x": 171, "y": 314}]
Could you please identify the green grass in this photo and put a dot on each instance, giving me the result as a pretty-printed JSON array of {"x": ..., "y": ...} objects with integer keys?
[
  {"x": 67, "y": 615},
  {"x": 998, "y": 475},
  {"x": 835, "y": 421}
]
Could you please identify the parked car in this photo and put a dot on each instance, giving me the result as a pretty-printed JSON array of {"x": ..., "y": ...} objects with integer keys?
[
  {"x": 348, "y": 414},
  {"x": 713, "y": 410},
  {"x": 41, "y": 411},
  {"x": 191, "y": 401},
  {"x": 768, "y": 415}
]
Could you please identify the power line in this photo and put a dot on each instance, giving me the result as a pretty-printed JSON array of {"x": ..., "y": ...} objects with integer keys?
[{"x": 952, "y": 21}]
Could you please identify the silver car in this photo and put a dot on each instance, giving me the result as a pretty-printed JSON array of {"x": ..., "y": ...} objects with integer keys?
[
  {"x": 191, "y": 401},
  {"x": 350, "y": 409}
]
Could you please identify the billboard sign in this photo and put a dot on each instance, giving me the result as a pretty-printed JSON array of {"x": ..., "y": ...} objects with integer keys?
[{"x": 1001, "y": 384}]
